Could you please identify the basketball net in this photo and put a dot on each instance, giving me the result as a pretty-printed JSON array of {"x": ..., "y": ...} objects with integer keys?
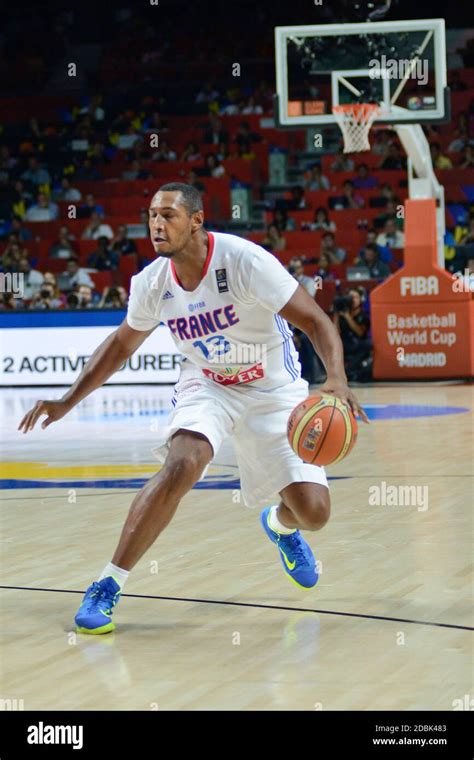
[{"x": 355, "y": 121}]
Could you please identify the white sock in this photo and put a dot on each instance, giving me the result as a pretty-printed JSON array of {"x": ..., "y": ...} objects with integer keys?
[
  {"x": 117, "y": 573},
  {"x": 276, "y": 525}
]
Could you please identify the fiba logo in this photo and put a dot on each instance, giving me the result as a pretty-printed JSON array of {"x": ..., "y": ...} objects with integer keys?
[{"x": 419, "y": 286}]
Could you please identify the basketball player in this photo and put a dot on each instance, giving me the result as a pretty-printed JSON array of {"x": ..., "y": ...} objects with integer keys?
[{"x": 218, "y": 294}]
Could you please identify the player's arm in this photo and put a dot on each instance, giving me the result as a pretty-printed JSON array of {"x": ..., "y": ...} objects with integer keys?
[
  {"x": 303, "y": 312},
  {"x": 104, "y": 362}
]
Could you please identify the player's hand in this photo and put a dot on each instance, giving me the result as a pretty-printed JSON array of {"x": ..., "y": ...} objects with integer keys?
[
  {"x": 53, "y": 410},
  {"x": 341, "y": 390}
]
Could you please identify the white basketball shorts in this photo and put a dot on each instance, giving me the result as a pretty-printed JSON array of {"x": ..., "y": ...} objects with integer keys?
[{"x": 256, "y": 420}]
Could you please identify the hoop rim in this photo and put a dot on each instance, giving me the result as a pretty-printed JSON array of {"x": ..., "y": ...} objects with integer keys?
[{"x": 356, "y": 107}]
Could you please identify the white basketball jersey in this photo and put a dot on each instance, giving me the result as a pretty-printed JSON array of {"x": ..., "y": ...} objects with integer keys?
[{"x": 228, "y": 328}]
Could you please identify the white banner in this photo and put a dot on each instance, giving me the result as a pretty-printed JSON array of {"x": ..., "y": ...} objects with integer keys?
[{"x": 56, "y": 355}]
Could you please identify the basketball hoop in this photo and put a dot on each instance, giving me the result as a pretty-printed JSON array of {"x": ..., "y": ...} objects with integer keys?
[{"x": 355, "y": 121}]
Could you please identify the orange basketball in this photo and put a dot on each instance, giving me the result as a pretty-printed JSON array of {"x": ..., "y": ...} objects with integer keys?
[{"x": 322, "y": 430}]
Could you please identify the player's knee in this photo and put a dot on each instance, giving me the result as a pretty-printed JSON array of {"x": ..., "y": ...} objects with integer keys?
[
  {"x": 316, "y": 512},
  {"x": 182, "y": 471}
]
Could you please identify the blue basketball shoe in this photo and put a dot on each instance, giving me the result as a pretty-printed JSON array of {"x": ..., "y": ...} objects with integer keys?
[
  {"x": 94, "y": 614},
  {"x": 295, "y": 554}
]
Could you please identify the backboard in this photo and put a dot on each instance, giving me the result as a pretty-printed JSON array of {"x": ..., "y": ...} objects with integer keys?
[{"x": 401, "y": 65}]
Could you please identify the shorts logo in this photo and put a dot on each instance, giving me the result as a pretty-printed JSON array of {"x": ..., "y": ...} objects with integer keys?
[
  {"x": 236, "y": 375},
  {"x": 221, "y": 279}
]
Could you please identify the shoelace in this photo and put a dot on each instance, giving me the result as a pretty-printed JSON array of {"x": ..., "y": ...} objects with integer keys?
[
  {"x": 296, "y": 546},
  {"x": 99, "y": 594}
]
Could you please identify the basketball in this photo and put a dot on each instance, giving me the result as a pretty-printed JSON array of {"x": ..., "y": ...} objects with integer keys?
[{"x": 322, "y": 430}]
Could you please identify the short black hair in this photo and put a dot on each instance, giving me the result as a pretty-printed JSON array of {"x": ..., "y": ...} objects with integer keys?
[{"x": 190, "y": 197}]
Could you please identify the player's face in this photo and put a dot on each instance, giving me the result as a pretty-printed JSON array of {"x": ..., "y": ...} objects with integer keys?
[{"x": 170, "y": 225}]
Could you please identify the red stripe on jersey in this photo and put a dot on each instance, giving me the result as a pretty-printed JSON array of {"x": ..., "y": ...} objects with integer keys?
[{"x": 206, "y": 263}]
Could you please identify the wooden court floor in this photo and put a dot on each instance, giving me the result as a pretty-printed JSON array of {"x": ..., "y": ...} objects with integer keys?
[{"x": 208, "y": 619}]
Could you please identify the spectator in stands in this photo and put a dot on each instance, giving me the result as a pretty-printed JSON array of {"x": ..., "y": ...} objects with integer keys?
[
  {"x": 317, "y": 180},
  {"x": 193, "y": 180},
  {"x": 94, "y": 108},
  {"x": 468, "y": 238},
  {"x": 384, "y": 252},
  {"x": 273, "y": 240},
  {"x": 349, "y": 198},
  {"x": 386, "y": 194},
  {"x": 51, "y": 279},
  {"x": 97, "y": 228},
  {"x": 74, "y": 275},
  {"x": 121, "y": 244},
  {"x": 302, "y": 343},
  {"x": 440, "y": 161},
  {"x": 222, "y": 152},
  {"x": 90, "y": 206},
  {"x": 321, "y": 221},
  {"x": 137, "y": 152},
  {"x": 215, "y": 133},
  {"x": 191, "y": 153},
  {"x": 32, "y": 279},
  {"x": 65, "y": 192},
  {"x": 392, "y": 211},
  {"x": 354, "y": 325},
  {"x": 85, "y": 295},
  {"x": 394, "y": 159},
  {"x": 7, "y": 161},
  {"x": 8, "y": 302},
  {"x": 164, "y": 153},
  {"x": 284, "y": 222},
  {"x": 64, "y": 247},
  {"x": 232, "y": 107},
  {"x": 381, "y": 142},
  {"x": 36, "y": 174},
  {"x": 296, "y": 268},
  {"x": 461, "y": 134},
  {"x": 43, "y": 210},
  {"x": 103, "y": 259},
  {"x": 251, "y": 107},
  {"x": 324, "y": 269},
  {"x": 113, "y": 298},
  {"x": 455, "y": 82},
  {"x": 207, "y": 95},
  {"x": 467, "y": 161},
  {"x": 342, "y": 163},
  {"x": 212, "y": 166},
  {"x": 155, "y": 123},
  {"x": 297, "y": 200},
  {"x": 16, "y": 228},
  {"x": 391, "y": 235},
  {"x": 245, "y": 138},
  {"x": 371, "y": 260},
  {"x": 363, "y": 180},
  {"x": 87, "y": 171},
  {"x": 11, "y": 257},
  {"x": 136, "y": 171},
  {"x": 46, "y": 298},
  {"x": 335, "y": 254}
]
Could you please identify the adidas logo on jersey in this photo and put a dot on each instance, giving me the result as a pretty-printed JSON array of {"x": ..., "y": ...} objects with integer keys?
[{"x": 168, "y": 295}]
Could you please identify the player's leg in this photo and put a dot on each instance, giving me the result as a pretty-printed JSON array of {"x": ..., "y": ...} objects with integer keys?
[
  {"x": 154, "y": 506},
  {"x": 304, "y": 506},
  {"x": 268, "y": 465},
  {"x": 150, "y": 512}
]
